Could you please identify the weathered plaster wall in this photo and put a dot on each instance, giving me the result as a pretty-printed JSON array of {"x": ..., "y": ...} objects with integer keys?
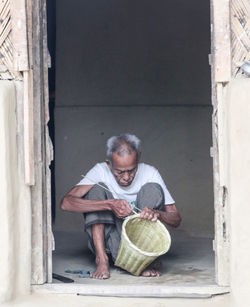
[
  {"x": 15, "y": 215},
  {"x": 239, "y": 187},
  {"x": 142, "y": 67},
  {"x": 15, "y": 218},
  {"x": 239, "y": 198}
]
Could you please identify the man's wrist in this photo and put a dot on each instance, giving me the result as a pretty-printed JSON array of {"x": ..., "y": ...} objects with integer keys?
[
  {"x": 108, "y": 203},
  {"x": 159, "y": 214}
]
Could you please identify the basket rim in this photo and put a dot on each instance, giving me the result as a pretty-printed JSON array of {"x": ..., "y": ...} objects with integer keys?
[{"x": 150, "y": 254}]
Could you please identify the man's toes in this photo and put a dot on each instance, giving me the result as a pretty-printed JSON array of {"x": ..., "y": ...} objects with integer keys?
[
  {"x": 94, "y": 275},
  {"x": 99, "y": 275},
  {"x": 152, "y": 273},
  {"x": 146, "y": 273},
  {"x": 155, "y": 273},
  {"x": 105, "y": 276}
]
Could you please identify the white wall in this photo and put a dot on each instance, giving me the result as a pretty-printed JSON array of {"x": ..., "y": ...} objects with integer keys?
[
  {"x": 239, "y": 186},
  {"x": 15, "y": 217}
]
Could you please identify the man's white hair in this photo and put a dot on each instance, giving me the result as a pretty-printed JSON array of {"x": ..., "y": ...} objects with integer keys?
[{"x": 123, "y": 144}]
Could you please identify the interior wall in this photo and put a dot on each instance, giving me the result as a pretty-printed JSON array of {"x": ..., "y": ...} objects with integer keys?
[
  {"x": 132, "y": 52},
  {"x": 139, "y": 67}
]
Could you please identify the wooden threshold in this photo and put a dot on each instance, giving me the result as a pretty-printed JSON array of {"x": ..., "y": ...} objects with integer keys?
[{"x": 204, "y": 291}]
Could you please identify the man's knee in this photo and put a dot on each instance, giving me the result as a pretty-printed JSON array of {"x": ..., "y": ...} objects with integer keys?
[
  {"x": 106, "y": 217},
  {"x": 153, "y": 186},
  {"x": 151, "y": 195},
  {"x": 98, "y": 193},
  {"x": 99, "y": 217},
  {"x": 152, "y": 189}
]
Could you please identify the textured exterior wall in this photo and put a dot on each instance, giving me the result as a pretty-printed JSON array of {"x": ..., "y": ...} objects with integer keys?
[
  {"x": 239, "y": 183},
  {"x": 15, "y": 218},
  {"x": 12, "y": 259}
]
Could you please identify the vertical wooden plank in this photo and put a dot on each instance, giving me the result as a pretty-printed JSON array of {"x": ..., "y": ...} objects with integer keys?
[
  {"x": 222, "y": 133},
  {"x": 222, "y": 261},
  {"x": 41, "y": 194},
  {"x": 48, "y": 146},
  {"x": 28, "y": 128},
  {"x": 21, "y": 63},
  {"x": 38, "y": 194},
  {"x": 30, "y": 56},
  {"x": 220, "y": 75},
  {"x": 221, "y": 221},
  {"x": 221, "y": 40}
]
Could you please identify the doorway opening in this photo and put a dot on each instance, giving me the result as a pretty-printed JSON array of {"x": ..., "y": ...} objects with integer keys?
[{"x": 139, "y": 67}]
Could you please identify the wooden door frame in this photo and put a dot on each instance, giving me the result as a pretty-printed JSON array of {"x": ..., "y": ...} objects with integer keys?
[
  {"x": 42, "y": 239},
  {"x": 220, "y": 61}
]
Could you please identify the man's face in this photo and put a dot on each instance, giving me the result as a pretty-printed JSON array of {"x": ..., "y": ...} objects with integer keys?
[{"x": 124, "y": 168}]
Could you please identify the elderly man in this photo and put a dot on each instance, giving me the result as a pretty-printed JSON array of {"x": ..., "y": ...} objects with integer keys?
[{"x": 128, "y": 184}]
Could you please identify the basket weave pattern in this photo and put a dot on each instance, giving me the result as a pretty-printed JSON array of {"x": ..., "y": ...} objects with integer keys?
[{"x": 142, "y": 241}]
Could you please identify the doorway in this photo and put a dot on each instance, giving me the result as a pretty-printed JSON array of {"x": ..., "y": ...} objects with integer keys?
[{"x": 139, "y": 67}]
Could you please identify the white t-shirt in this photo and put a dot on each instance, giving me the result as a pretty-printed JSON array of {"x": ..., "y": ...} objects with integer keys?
[{"x": 144, "y": 174}]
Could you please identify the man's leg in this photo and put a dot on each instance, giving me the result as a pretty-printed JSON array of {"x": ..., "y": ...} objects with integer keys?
[
  {"x": 99, "y": 226},
  {"x": 151, "y": 195},
  {"x": 102, "y": 261}
]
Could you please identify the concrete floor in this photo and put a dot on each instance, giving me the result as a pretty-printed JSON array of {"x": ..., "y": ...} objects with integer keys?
[{"x": 189, "y": 262}]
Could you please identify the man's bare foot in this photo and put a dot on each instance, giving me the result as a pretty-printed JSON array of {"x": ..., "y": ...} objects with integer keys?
[
  {"x": 150, "y": 273},
  {"x": 102, "y": 269},
  {"x": 153, "y": 269}
]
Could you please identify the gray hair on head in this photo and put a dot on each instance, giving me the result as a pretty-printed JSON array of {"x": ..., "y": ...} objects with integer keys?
[{"x": 123, "y": 144}]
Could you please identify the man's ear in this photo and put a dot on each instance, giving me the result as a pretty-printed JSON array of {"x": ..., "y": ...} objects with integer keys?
[{"x": 108, "y": 163}]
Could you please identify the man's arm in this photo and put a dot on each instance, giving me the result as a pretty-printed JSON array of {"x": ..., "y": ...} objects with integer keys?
[
  {"x": 169, "y": 217},
  {"x": 74, "y": 202}
]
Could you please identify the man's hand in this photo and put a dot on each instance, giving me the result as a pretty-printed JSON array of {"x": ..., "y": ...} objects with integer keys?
[
  {"x": 149, "y": 214},
  {"x": 120, "y": 207}
]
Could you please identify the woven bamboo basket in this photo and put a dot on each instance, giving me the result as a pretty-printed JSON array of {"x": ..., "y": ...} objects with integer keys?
[{"x": 142, "y": 241}]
